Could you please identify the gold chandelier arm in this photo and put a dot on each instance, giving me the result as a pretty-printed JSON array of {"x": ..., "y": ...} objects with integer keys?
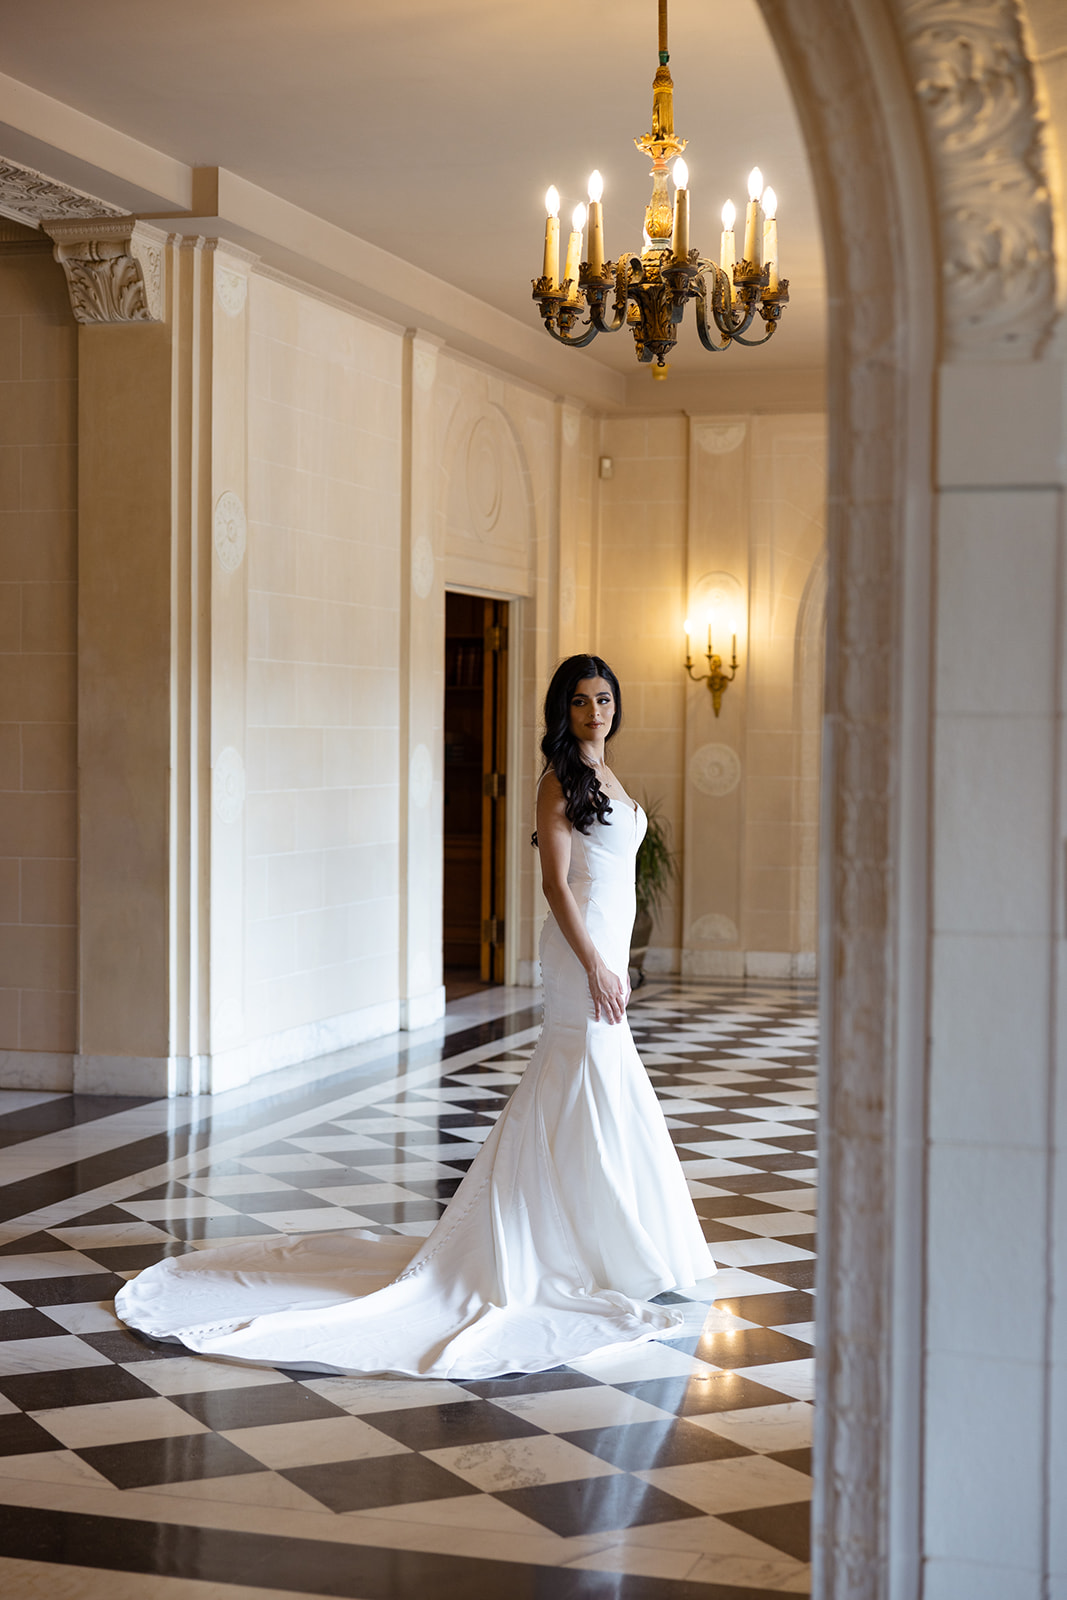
[
  {"x": 597, "y": 294},
  {"x": 573, "y": 343},
  {"x": 700, "y": 295}
]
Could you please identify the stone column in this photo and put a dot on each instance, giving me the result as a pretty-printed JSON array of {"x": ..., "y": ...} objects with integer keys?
[
  {"x": 162, "y": 447},
  {"x": 422, "y": 662}
]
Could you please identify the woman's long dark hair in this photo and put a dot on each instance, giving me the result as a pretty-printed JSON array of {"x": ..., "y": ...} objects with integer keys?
[{"x": 584, "y": 797}]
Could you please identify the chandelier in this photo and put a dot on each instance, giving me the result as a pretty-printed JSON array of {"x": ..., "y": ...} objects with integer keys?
[{"x": 650, "y": 291}]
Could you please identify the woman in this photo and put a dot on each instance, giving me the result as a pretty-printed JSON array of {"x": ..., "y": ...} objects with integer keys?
[{"x": 575, "y": 1212}]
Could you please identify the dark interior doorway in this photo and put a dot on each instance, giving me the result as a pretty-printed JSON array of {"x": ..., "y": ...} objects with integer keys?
[{"x": 476, "y": 648}]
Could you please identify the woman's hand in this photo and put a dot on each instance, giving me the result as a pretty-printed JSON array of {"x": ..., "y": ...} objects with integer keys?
[{"x": 608, "y": 993}]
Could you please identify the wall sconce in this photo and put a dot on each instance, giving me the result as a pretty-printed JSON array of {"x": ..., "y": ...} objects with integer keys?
[
  {"x": 719, "y": 598},
  {"x": 716, "y": 679}
]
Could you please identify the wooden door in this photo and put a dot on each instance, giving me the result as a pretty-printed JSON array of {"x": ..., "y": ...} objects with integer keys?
[{"x": 494, "y": 787}]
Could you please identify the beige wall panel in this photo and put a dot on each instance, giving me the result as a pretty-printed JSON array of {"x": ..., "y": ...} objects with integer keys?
[
  {"x": 323, "y": 766},
  {"x": 124, "y": 688},
  {"x": 38, "y": 669}
]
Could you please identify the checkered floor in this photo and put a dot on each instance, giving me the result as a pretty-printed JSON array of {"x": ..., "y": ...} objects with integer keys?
[{"x": 677, "y": 1469}]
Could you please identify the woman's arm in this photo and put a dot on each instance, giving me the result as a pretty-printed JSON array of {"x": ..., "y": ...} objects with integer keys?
[{"x": 608, "y": 990}]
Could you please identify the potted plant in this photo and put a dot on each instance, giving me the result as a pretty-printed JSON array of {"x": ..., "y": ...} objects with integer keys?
[{"x": 656, "y": 867}]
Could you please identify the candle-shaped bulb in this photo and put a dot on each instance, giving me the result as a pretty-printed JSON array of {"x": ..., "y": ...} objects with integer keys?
[
  {"x": 681, "y": 174},
  {"x": 770, "y": 204},
  {"x": 755, "y": 184},
  {"x": 688, "y": 626},
  {"x": 578, "y": 218},
  {"x": 552, "y": 201},
  {"x": 596, "y": 186},
  {"x": 729, "y": 215}
]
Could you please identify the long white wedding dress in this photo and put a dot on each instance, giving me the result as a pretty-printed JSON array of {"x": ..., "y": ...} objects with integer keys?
[{"x": 574, "y": 1214}]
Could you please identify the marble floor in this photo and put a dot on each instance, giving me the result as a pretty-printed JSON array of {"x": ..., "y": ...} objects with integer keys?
[{"x": 669, "y": 1471}]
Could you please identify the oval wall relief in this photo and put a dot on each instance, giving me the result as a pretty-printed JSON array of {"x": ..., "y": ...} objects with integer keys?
[
  {"x": 715, "y": 769},
  {"x": 228, "y": 785},
  {"x": 229, "y": 530},
  {"x": 485, "y": 478}
]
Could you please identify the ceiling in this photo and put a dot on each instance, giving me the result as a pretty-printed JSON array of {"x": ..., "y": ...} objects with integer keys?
[{"x": 432, "y": 128}]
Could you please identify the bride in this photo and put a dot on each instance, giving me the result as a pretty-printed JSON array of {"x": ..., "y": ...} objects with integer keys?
[{"x": 575, "y": 1212}]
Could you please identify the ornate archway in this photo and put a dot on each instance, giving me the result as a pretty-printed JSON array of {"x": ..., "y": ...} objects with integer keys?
[{"x": 924, "y": 135}]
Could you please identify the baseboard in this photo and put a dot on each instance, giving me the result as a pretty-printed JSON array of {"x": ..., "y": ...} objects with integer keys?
[
  {"x": 47, "y": 1070},
  {"x": 660, "y": 960},
  {"x": 420, "y": 1010},
  {"x": 747, "y": 964},
  {"x": 163, "y": 1077}
]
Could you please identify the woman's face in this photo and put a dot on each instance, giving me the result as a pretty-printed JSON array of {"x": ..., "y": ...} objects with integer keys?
[{"x": 592, "y": 710}]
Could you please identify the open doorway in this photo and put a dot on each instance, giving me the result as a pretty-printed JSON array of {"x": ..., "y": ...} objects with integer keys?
[{"x": 476, "y": 653}]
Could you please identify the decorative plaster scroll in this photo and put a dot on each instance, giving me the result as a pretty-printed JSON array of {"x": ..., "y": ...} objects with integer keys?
[
  {"x": 713, "y": 928},
  {"x": 976, "y": 86},
  {"x": 721, "y": 439},
  {"x": 228, "y": 785},
  {"x": 231, "y": 288},
  {"x": 420, "y": 776},
  {"x": 229, "y": 530},
  {"x": 715, "y": 769},
  {"x": 422, "y": 567},
  {"x": 28, "y": 196},
  {"x": 114, "y": 269}
]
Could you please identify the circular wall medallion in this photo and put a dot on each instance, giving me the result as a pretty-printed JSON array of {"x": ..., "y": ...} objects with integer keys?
[
  {"x": 228, "y": 784},
  {"x": 232, "y": 290},
  {"x": 422, "y": 567},
  {"x": 230, "y": 531},
  {"x": 485, "y": 483},
  {"x": 420, "y": 775},
  {"x": 715, "y": 769},
  {"x": 720, "y": 439},
  {"x": 713, "y": 928}
]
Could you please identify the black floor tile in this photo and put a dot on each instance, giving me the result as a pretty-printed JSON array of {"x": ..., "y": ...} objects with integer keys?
[
  {"x": 28, "y": 1324},
  {"x": 381, "y": 1481},
  {"x": 772, "y": 1310},
  {"x": 393, "y": 1211},
  {"x": 594, "y": 1505},
  {"x": 465, "y": 1422},
  {"x": 33, "y": 1244},
  {"x": 531, "y": 1383},
  {"x": 641, "y": 1446},
  {"x": 797, "y": 1274},
  {"x": 799, "y": 1460},
  {"x": 70, "y": 1290},
  {"x": 258, "y": 1406},
  {"x": 78, "y": 1386},
  {"x": 135, "y": 1257},
  {"x": 715, "y": 1391},
  {"x": 182, "y": 1460},
  {"x": 119, "y": 1344},
  {"x": 744, "y": 1347},
  {"x": 787, "y": 1528},
  {"x": 21, "y": 1436}
]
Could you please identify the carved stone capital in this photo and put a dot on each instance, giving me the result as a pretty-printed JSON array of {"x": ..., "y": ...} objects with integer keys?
[
  {"x": 987, "y": 142},
  {"x": 114, "y": 268}
]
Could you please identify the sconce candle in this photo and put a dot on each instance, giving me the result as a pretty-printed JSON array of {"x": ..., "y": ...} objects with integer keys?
[
  {"x": 574, "y": 251},
  {"x": 552, "y": 238},
  {"x": 770, "y": 236},
  {"x": 596, "y": 224},
  {"x": 755, "y": 189},
  {"x": 681, "y": 210}
]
